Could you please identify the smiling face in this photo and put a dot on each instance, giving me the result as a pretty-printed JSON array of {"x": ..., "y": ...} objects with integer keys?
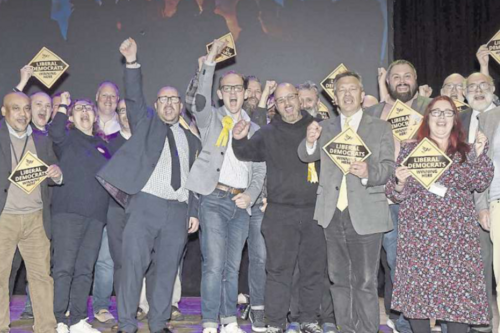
[
  {"x": 17, "y": 111},
  {"x": 349, "y": 95},
  {"x": 453, "y": 87},
  {"x": 480, "y": 89},
  {"x": 107, "y": 99},
  {"x": 168, "y": 105},
  {"x": 309, "y": 101},
  {"x": 41, "y": 107},
  {"x": 83, "y": 116},
  {"x": 231, "y": 92},
  {"x": 402, "y": 82},
  {"x": 441, "y": 120},
  {"x": 287, "y": 103}
]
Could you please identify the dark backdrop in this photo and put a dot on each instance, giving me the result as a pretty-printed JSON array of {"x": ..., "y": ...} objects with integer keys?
[
  {"x": 283, "y": 40},
  {"x": 441, "y": 37}
]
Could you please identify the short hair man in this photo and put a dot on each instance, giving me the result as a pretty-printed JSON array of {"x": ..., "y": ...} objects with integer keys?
[
  {"x": 454, "y": 87},
  {"x": 354, "y": 228}
]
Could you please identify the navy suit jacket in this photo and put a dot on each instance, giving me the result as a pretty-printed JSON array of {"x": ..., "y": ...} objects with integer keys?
[{"x": 132, "y": 165}]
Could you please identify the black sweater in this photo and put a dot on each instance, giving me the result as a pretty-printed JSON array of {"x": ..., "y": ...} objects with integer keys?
[
  {"x": 276, "y": 144},
  {"x": 80, "y": 157}
]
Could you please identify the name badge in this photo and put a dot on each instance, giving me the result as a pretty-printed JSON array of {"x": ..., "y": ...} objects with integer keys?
[{"x": 438, "y": 189}]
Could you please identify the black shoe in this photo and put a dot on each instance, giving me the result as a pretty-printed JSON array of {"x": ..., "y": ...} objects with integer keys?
[
  {"x": 176, "y": 314},
  {"x": 26, "y": 315}
]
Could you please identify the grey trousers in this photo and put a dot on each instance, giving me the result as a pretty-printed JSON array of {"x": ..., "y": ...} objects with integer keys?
[
  {"x": 153, "y": 225},
  {"x": 353, "y": 262}
]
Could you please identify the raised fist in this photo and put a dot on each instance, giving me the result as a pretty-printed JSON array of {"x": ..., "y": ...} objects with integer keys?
[
  {"x": 313, "y": 133},
  {"x": 129, "y": 50}
]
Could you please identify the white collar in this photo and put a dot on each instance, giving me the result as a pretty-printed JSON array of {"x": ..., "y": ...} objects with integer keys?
[
  {"x": 243, "y": 113},
  {"x": 28, "y": 132}
]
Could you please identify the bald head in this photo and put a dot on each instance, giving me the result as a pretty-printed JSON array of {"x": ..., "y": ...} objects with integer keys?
[
  {"x": 453, "y": 86},
  {"x": 369, "y": 100},
  {"x": 17, "y": 111},
  {"x": 287, "y": 103}
]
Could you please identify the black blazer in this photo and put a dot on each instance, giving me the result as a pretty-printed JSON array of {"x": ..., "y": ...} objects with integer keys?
[
  {"x": 44, "y": 151},
  {"x": 130, "y": 168},
  {"x": 465, "y": 117}
]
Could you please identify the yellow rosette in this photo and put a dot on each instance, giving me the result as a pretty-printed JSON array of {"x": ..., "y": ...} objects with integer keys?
[
  {"x": 312, "y": 175},
  {"x": 227, "y": 125}
]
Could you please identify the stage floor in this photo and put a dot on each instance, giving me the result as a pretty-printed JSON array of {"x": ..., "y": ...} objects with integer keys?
[{"x": 190, "y": 307}]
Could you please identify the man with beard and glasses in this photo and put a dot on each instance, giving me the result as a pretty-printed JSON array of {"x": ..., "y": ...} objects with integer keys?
[
  {"x": 292, "y": 236},
  {"x": 453, "y": 87},
  {"x": 401, "y": 83},
  {"x": 309, "y": 100},
  {"x": 479, "y": 90}
]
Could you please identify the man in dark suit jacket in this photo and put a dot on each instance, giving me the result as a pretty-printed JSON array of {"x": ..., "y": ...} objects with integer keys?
[
  {"x": 25, "y": 218},
  {"x": 352, "y": 209},
  {"x": 148, "y": 174}
]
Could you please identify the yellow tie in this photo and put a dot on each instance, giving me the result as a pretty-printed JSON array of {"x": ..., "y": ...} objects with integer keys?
[{"x": 342, "y": 201}]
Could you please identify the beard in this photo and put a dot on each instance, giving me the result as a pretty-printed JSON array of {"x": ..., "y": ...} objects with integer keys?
[
  {"x": 250, "y": 105},
  {"x": 404, "y": 96}
]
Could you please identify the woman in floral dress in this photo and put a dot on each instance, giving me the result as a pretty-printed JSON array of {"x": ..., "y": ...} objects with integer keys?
[{"x": 439, "y": 271}]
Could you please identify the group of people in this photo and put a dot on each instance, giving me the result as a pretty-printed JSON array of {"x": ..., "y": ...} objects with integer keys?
[{"x": 127, "y": 183}]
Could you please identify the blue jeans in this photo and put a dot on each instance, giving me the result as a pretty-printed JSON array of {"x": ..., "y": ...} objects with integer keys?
[
  {"x": 390, "y": 244},
  {"x": 224, "y": 230},
  {"x": 103, "y": 276},
  {"x": 257, "y": 259}
]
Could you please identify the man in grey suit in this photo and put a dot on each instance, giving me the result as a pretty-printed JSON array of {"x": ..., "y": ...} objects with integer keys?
[
  {"x": 353, "y": 209},
  {"x": 25, "y": 218},
  {"x": 148, "y": 175},
  {"x": 479, "y": 91},
  {"x": 228, "y": 189}
]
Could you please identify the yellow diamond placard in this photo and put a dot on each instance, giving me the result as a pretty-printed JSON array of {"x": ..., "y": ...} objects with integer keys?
[
  {"x": 228, "y": 52},
  {"x": 404, "y": 121},
  {"x": 427, "y": 163},
  {"x": 29, "y": 173},
  {"x": 461, "y": 106},
  {"x": 327, "y": 83},
  {"x": 323, "y": 111},
  {"x": 494, "y": 47},
  {"x": 345, "y": 148},
  {"x": 48, "y": 67}
]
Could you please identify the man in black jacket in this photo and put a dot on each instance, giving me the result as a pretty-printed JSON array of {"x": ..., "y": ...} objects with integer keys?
[
  {"x": 148, "y": 175},
  {"x": 291, "y": 234}
]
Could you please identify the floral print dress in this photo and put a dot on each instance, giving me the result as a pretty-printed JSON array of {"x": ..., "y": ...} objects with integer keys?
[{"x": 439, "y": 270}]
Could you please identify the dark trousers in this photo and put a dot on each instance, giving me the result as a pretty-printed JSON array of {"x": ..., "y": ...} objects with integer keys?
[
  {"x": 353, "y": 262},
  {"x": 424, "y": 326},
  {"x": 116, "y": 225},
  {"x": 292, "y": 236},
  {"x": 76, "y": 240},
  {"x": 16, "y": 265},
  {"x": 326, "y": 315},
  {"x": 153, "y": 224}
]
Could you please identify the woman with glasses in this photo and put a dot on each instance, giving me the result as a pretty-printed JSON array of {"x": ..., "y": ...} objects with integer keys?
[
  {"x": 439, "y": 271},
  {"x": 79, "y": 209}
]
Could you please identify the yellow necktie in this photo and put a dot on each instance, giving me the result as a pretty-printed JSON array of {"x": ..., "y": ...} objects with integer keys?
[{"x": 342, "y": 201}]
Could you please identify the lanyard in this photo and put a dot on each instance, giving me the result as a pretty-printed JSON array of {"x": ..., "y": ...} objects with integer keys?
[{"x": 24, "y": 149}]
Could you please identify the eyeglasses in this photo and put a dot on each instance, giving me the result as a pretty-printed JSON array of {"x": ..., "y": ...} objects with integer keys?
[
  {"x": 483, "y": 86},
  {"x": 288, "y": 98},
  {"x": 436, "y": 113},
  {"x": 172, "y": 99},
  {"x": 450, "y": 86},
  {"x": 81, "y": 107},
  {"x": 237, "y": 88}
]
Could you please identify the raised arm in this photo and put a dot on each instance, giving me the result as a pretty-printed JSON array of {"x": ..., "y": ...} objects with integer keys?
[
  {"x": 249, "y": 150},
  {"x": 202, "y": 108},
  {"x": 134, "y": 96},
  {"x": 26, "y": 73},
  {"x": 57, "y": 129}
]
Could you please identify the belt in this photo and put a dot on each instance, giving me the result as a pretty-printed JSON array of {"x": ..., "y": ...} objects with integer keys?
[{"x": 229, "y": 189}]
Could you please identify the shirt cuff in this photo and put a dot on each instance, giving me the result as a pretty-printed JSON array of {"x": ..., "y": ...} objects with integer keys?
[
  {"x": 311, "y": 151},
  {"x": 133, "y": 66},
  {"x": 364, "y": 181},
  {"x": 210, "y": 63},
  {"x": 60, "y": 180}
]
